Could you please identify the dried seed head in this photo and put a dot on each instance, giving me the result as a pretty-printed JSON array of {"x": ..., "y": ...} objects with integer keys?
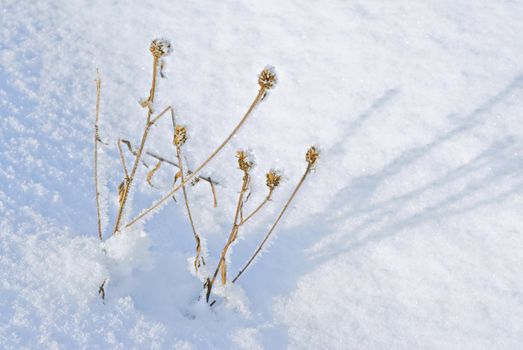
[
  {"x": 180, "y": 135},
  {"x": 160, "y": 47},
  {"x": 273, "y": 179},
  {"x": 312, "y": 156},
  {"x": 244, "y": 163},
  {"x": 267, "y": 78}
]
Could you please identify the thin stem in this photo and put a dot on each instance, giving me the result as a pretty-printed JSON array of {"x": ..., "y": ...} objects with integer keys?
[
  {"x": 162, "y": 113},
  {"x": 257, "y": 251},
  {"x": 96, "y": 140},
  {"x": 153, "y": 85},
  {"x": 215, "y": 202},
  {"x": 265, "y": 201},
  {"x": 129, "y": 181},
  {"x": 170, "y": 162},
  {"x": 162, "y": 200},
  {"x": 187, "y": 206},
  {"x": 124, "y": 165},
  {"x": 232, "y": 236},
  {"x": 148, "y": 125}
]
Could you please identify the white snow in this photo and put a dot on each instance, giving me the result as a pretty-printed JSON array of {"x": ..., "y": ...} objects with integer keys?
[{"x": 407, "y": 235}]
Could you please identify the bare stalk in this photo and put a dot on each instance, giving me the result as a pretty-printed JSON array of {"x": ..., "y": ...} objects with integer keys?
[
  {"x": 122, "y": 158},
  {"x": 215, "y": 202},
  {"x": 170, "y": 162},
  {"x": 257, "y": 99},
  {"x": 265, "y": 201},
  {"x": 232, "y": 237},
  {"x": 148, "y": 124},
  {"x": 179, "y": 140},
  {"x": 311, "y": 158},
  {"x": 96, "y": 140}
]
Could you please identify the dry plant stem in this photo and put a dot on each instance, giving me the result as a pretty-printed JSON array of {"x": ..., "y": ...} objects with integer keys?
[
  {"x": 96, "y": 140},
  {"x": 232, "y": 236},
  {"x": 101, "y": 290},
  {"x": 265, "y": 201},
  {"x": 124, "y": 165},
  {"x": 260, "y": 247},
  {"x": 160, "y": 158},
  {"x": 187, "y": 206},
  {"x": 259, "y": 96},
  {"x": 148, "y": 125},
  {"x": 129, "y": 181},
  {"x": 215, "y": 202},
  {"x": 167, "y": 161}
]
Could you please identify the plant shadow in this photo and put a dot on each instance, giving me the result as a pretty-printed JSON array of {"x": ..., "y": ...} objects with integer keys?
[{"x": 460, "y": 190}]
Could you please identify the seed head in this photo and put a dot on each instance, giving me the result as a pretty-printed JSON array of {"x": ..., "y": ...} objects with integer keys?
[
  {"x": 180, "y": 135},
  {"x": 160, "y": 47},
  {"x": 312, "y": 156},
  {"x": 267, "y": 78},
  {"x": 273, "y": 179},
  {"x": 244, "y": 163}
]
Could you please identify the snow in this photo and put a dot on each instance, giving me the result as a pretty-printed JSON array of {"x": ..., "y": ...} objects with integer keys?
[{"x": 407, "y": 235}]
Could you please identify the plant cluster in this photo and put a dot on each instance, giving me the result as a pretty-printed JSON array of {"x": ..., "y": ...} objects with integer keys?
[{"x": 183, "y": 177}]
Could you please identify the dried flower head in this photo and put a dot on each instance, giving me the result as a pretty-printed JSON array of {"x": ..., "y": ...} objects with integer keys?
[
  {"x": 243, "y": 162},
  {"x": 267, "y": 78},
  {"x": 160, "y": 47},
  {"x": 312, "y": 156},
  {"x": 180, "y": 135},
  {"x": 273, "y": 179}
]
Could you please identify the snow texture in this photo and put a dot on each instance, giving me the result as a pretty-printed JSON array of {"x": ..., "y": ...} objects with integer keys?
[{"x": 407, "y": 236}]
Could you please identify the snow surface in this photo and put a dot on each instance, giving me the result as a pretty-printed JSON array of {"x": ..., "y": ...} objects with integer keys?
[{"x": 408, "y": 235}]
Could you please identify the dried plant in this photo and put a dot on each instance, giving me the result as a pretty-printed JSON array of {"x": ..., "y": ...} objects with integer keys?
[
  {"x": 266, "y": 81},
  {"x": 311, "y": 157},
  {"x": 165, "y": 160},
  {"x": 180, "y": 137},
  {"x": 273, "y": 180},
  {"x": 96, "y": 140},
  {"x": 158, "y": 48}
]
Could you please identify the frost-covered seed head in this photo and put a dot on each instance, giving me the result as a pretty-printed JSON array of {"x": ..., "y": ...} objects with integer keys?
[
  {"x": 267, "y": 78},
  {"x": 160, "y": 47},
  {"x": 273, "y": 179},
  {"x": 312, "y": 156},
  {"x": 244, "y": 163},
  {"x": 180, "y": 135}
]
